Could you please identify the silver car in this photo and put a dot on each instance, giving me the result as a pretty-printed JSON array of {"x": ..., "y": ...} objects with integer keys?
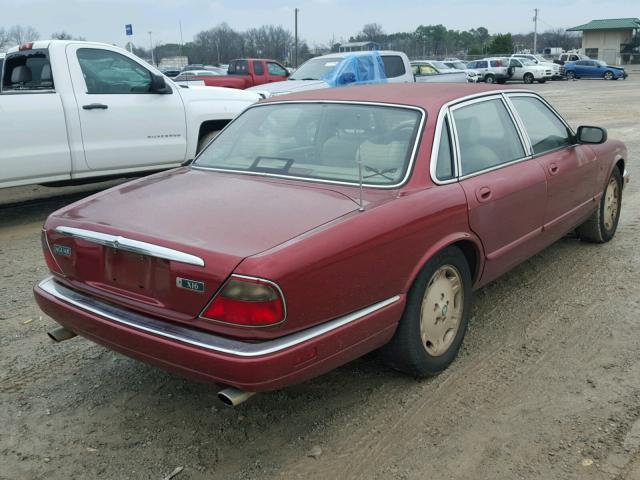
[{"x": 436, "y": 71}]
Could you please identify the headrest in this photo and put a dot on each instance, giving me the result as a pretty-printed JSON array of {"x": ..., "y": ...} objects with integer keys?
[
  {"x": 21, "y": 74},
  {"x": 45, "y": 75}
]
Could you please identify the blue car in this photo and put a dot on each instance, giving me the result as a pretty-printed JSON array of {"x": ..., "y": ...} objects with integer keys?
[{"x": 593, "y": 69}]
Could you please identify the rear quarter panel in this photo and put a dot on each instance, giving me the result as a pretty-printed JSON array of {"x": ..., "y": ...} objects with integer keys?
[{"x": 360, "y": 259}]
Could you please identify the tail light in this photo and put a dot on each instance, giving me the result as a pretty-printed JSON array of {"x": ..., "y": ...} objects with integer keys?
[
  {"x": 26, "y": 46},
  {"x": 248, "y": 302},
  {"x": 48, "y": 255}
]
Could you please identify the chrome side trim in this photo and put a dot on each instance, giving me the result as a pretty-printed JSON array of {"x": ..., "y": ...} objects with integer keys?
[
  {"x": 135, "y": 246},
  {"x": 199, "y": 338}
]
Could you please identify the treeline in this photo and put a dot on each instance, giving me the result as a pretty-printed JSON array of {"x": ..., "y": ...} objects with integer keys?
[
  {"x": 437, "y": 40},
  {"x": 222, "y": 43}
]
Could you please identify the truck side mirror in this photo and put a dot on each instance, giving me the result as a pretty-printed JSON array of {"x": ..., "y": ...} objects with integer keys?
[
  {"x": 594, "y": 135},
  {"x": 158, "y": 85}
]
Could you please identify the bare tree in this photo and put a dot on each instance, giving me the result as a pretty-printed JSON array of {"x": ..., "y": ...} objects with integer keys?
[
  {"x": 19, "y": 34},
  {"x": 4, "y": 39},
  {"x": 61, "y": 36},
  {"x": 372, "y": 32}
]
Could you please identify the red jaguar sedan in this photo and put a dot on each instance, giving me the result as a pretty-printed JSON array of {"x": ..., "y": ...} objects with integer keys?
[{"x": 323, "y": 225}]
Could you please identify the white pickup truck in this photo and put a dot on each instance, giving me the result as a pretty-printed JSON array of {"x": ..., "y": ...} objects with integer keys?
[
  {"x": 343, "y": 69},
  {"x": 72, "y": 111}
]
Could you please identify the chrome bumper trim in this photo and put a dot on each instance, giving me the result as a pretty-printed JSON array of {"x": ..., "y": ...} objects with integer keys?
[
  {"x": 135, "y": 246},
  {"x": 196, "y": 337}
]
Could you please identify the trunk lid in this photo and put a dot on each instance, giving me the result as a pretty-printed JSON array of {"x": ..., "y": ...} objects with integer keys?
[{"x": 219, "y": 218}]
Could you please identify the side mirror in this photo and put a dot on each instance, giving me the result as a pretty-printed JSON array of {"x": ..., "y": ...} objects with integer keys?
[
  {"x": 592, "y": 135},
  {"x": 158, "y": 85}
]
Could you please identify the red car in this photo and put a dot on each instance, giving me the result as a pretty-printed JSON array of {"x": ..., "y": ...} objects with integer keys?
[{"x": 324, "y": 225}]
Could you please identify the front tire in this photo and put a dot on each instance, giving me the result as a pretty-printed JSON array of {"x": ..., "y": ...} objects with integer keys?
[
  {"x": 608, "y": 75},
  {"x": 435, "y": 319},
  {"x": 601, "y": 226},
  {"x": 571, "y": 75}
]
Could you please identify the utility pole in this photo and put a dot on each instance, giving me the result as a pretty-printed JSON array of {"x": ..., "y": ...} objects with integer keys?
[
  {"x": 296, "y": 37},
  {"x": 535, "y": 31},
  {"x": 153, "y": 62},
  {"x": 181, "y": 42}
]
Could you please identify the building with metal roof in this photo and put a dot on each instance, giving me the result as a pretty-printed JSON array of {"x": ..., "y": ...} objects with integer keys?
[
  {"x": 613, "y": 40},
  {"x": 359, "y": 46}
]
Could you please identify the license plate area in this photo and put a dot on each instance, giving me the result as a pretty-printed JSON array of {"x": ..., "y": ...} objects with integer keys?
[{"x": 129, "y": 271}]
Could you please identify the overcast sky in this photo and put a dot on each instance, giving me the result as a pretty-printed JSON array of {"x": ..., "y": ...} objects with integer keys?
[{"x": 319, "y": 20}]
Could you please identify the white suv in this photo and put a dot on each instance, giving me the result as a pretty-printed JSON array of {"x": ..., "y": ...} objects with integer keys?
[
  {"x": 528, "y": 71},
  {"x": 540, "y": 60}
]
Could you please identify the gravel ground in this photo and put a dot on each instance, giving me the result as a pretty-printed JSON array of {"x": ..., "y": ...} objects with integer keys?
[{"x": 547, "y": 384}]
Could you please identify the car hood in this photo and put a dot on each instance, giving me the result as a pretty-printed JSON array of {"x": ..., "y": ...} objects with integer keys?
[
  {"x": 288, "y": 86},
  {"x": 204, "y": 212},
  {"x": 199, "y": 93}
]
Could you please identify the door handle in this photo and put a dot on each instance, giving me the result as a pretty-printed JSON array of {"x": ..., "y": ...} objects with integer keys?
[
  {"x": 95, "y": 106},
  {"x": 553, "y": 169},
  {"x": 483, "y": 194}
]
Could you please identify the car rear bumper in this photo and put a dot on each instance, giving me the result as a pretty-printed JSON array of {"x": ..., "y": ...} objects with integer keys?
[{"x": 252, "y": 366}]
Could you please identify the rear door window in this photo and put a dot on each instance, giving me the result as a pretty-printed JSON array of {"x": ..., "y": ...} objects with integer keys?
[
  {"x": 487, "y": 136},
  {"x": 27, "y": 71},
  {"x": 393, "y": 66},
  {"x": 258, "y": 69},
  {"x": 482, "y": 64}
]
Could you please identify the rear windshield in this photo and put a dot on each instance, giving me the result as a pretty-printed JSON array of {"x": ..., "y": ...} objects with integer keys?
[
  {"x": 315, "y": 69},
  {"x": 27, "y": 70},
  {"x": 238, "y": 67},
  {"x": 320, "y": 141}
]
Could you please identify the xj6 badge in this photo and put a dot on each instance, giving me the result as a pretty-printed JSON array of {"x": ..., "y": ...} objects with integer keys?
[{"x": 187, "y": 284}]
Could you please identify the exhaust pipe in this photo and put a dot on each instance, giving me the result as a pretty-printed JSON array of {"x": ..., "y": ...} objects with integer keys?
[
  {"x": 234, "y": 397},
  {"x": 61, "y": 334}
]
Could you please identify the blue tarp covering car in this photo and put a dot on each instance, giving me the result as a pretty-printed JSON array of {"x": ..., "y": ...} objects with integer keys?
[{"x": 357, "y": 69}]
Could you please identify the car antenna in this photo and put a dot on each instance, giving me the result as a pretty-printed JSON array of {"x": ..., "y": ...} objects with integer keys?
[{"x": 360, "y": 181}]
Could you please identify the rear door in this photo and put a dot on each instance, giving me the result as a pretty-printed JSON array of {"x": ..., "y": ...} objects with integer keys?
[
  {"x": 571, "y": 169},
  {"x": 124, "y": 124},
  {"x": 504, "y": 186},
  {"x": 33, "y": 130}
]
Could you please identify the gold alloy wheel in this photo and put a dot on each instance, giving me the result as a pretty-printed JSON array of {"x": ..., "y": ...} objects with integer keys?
[
  {"x": 611, "y": 203},
  {"x": 441, "y": 310}
]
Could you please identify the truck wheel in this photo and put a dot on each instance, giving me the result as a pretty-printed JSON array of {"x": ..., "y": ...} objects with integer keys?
[
  {"x": 602, "y": 224},
  {"x": 571, "y": 76},
  {"x": 608, "y": 75},
  {"x": 490, "y": 78},
  {"x": 205, "y": 139},
  {"x": 528, "y": 78},
  {"x": 435, "y": 318}
]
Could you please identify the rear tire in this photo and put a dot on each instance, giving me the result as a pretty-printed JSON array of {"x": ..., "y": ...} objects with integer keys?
[
  {"x": 435, "y": 318},
  {"x": 490, "y": 78},
  {"x": 601, "y": 226},
  {"x": 205, "y": 139},
  {"x": 528, "y": 78}
]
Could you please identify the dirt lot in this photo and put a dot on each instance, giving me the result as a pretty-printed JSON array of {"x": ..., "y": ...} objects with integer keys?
[{"x": 547, "y": 385}]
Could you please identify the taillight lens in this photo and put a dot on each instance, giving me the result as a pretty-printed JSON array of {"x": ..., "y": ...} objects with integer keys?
[
  {"x": 250, "y": 302},
  {"x": 48, "y": 255}
]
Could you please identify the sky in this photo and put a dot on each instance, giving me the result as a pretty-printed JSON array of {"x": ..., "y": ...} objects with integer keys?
[{"x": 320, "y": 21}]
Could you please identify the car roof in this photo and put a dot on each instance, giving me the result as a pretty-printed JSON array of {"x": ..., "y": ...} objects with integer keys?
[
  {"x": 428, "y": 96},
  {"x": 359, "y": 52}
]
